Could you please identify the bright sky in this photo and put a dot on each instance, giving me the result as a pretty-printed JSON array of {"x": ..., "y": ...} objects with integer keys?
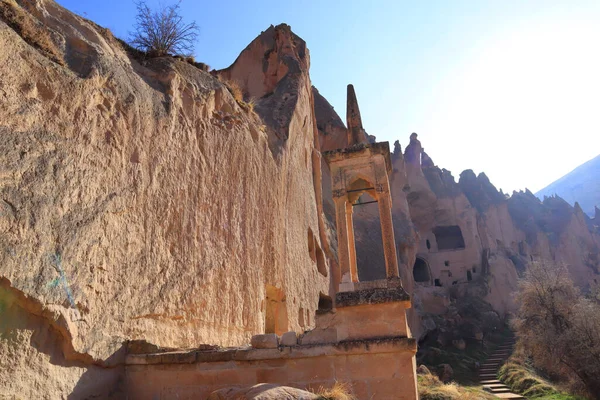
[{"x": 510, "y": 88}]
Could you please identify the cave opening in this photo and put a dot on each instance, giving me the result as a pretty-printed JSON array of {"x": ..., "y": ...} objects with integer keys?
[
  {"x": 449, "y": 237},
  {"x": 421, "y": 271}
]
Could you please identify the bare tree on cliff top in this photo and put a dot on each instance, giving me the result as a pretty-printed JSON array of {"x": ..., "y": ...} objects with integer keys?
[{"x": 163, "y": 31}]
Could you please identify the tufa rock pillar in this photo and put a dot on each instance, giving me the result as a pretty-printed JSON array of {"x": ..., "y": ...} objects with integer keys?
[{"x": 356, "y": 133}]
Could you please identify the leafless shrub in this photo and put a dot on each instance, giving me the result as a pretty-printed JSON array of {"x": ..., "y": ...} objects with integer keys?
[
  {"x": 163, "y": 31},
  {"x": 558, "y": 327}
]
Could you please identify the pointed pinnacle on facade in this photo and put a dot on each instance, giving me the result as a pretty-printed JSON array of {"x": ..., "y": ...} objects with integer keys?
[{"x": 356, "y": 133}]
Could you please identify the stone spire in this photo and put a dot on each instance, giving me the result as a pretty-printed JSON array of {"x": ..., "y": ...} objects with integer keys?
[
  {"x": 356, "y": 133},
  {"x": 578, "y": 208},
  {"x": 597, "y": 215},
  {"x": 412, "y": 152}
]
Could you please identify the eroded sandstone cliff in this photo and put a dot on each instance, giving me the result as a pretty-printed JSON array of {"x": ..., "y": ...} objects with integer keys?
[{"x": 140, "y": 200}]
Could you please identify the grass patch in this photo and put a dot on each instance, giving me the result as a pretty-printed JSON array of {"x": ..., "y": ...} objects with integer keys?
[
  {"x": 431, "y": 388},
  {"x": 192, "y": 61},
  {"x": 339, "y": 391},
  {"x": 31, "y": 30},
  {"x": 238, "y": 94},
  {"x": 235, "y": 90},
  {"x": 523, "y": 379}
]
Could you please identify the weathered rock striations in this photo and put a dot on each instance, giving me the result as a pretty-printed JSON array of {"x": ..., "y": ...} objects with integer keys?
[{"x": 140, "y": 200}]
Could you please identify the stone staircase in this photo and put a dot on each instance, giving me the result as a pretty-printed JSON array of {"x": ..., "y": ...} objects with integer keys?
[{"x": 488, "y": 373}]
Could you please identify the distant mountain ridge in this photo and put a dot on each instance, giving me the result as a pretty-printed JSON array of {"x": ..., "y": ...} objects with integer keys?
[{"x": 581, "y": 185}]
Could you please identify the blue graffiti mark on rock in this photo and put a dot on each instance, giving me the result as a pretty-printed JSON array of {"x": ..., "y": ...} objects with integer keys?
[
  {"x": 54, "y": 282},
  {"x": 56, "y": 261}
]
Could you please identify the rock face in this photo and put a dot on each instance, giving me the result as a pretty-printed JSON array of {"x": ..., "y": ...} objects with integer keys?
[
  {"x": 142, "y": 201},
  {"x": 580, "y": 185}
]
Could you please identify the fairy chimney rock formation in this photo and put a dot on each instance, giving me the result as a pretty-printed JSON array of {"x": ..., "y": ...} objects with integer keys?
[
  {"x": 356, "y": 132},
  {"x": 397, "y": 150},
  {"x": 412, "y": 153}
]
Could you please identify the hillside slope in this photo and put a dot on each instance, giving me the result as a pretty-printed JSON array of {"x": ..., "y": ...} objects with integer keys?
[{"x": 581, "y": 185}]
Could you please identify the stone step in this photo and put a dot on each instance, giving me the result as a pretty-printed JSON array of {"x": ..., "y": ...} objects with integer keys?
[
  {"x": 500, "y": 390},
  {"x": 488, "y": 367},
  {"x": 488, "y": 371},
  {"x": 511, "y": 396},
  {"x": 487, "y": 376},
  {"x": 495, "y": 386},
  {"x": 491, "y": 365},
  {"x": 490, "y": 382}
]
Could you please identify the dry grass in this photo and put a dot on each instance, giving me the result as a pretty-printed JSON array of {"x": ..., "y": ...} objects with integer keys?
[
  {"x": 250, "y": 104},
  {"x": 431, "y": 388},
  {"x": 31, "y": 30},
  {"x": 235, "y": 90},
  {"x": 192, "y": 61},
  {"x": 339, "y": 391},
  {"x": 522, "y": 379},
  {"x": 238, "y": 94}
]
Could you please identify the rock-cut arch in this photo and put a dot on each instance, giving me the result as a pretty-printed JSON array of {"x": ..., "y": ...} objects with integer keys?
[
  {"x": 354, "y": 189},
  {"x": 421, "y": 271}
]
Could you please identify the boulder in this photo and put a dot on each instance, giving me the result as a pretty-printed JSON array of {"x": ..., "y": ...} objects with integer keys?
[
  {"x": 289, "y": 339},
  {"x": 445, "y": 372},
  {"x": 266, "y": 341},
  {"x": 262, "y": 391},
  {"x": 423, "y": 370}
]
